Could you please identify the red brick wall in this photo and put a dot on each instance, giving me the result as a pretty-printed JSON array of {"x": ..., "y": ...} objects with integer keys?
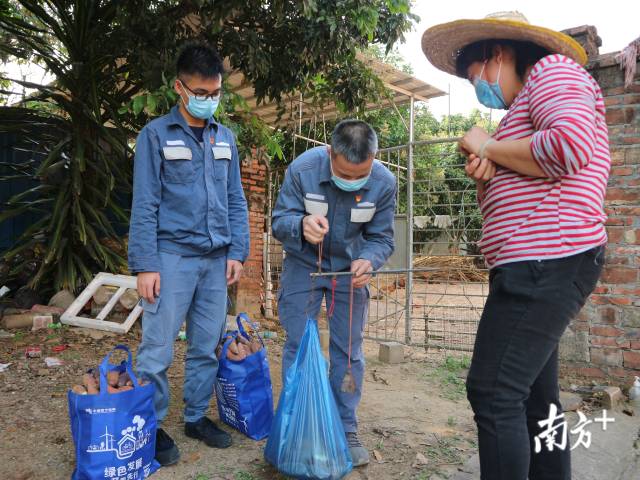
[
  {"x": 604, "y": 340},
  {"x": 249, "y": 294}
]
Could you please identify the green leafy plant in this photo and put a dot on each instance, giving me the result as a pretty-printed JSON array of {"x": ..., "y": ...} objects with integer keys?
[{"x": 448, "y": 375}]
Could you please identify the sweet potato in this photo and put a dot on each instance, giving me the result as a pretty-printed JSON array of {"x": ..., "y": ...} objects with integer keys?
[
  {"x": 233, "y": 348},
  {"x": 237, "y": 353},
  {"x": 233, "y": 356},
  {"x": 256, "y": 346},
  {"x": 90, "y": 384},
  {"x": 112, "y": 378},
  {"x": 118, "y": 390},
  {"x": 245, "y": 350},
  {"x": 124, "y": 380},
  {"x": 79, "y": 389}
]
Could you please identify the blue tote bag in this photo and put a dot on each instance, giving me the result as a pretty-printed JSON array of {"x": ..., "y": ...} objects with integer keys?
[
  {"x": 114, "y": 433},
  {"x": 243, "y": 388},
  {"x": 307, "y": 439}
]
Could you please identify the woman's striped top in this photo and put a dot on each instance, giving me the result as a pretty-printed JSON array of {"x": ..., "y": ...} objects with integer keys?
[{"x": 528, "y": 218}]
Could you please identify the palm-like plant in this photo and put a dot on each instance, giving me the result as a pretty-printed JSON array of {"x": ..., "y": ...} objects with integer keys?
[{"x": 73, "y": 126}]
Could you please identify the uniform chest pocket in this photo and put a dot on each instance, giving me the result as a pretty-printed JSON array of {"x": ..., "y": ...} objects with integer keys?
[
  {"x": 178, "y": 167},
  {"x": 221, "y": 161},
  {"x": 362, "y": 215},
  {"x": 315, "y": 204}
]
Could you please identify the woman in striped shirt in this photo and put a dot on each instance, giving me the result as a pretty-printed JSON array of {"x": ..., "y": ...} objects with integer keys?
[{"x": 541, "y": 181}]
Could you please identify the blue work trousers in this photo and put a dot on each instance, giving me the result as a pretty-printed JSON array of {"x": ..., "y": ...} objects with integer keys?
[{"x": 192, "y": 289}]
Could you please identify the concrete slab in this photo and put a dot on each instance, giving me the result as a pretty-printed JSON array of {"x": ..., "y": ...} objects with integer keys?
[{"x": 614, "y": 454}]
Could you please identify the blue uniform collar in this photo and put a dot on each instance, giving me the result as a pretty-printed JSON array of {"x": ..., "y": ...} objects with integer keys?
[
  {"x": 176, "y": 118},
  {"x": 325, "y": 171}
]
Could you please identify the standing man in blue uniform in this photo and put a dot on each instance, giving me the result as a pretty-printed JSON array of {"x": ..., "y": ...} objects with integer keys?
[
  {"x": 188, "y": 239},
  {"x": 342, "y": 199}
]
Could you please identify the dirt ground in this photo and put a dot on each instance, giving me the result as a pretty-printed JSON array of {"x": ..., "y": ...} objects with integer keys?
[{"x": 414, "y": 418}]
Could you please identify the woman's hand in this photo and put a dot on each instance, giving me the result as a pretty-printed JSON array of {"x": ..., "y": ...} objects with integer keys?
[
  {"x": 481, "y": 170},
  {"x": 473, "y": 140}
]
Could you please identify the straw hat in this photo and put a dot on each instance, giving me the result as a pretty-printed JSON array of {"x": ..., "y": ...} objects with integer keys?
[{"x": 442, "y": 43}]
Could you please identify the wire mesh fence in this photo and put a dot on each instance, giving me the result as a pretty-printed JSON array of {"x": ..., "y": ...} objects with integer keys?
[{"x": 439, "y": 284}]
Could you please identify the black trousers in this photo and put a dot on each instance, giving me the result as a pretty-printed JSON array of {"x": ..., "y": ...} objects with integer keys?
[{"x": 513, "y": 379}]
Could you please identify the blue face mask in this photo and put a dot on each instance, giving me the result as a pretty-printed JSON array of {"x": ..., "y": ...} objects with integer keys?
[
  {"x": 489, "y": 94},
  {"x": 202, "y": 109},
  {"x": 349, "y": 185}
]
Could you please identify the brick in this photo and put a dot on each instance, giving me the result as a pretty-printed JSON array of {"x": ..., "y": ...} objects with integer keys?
[
  {"x": 609, "y": 342},
  {"x": 612, "y": 397},
  {"x": 631, "y": 99},
  {"x": 615, "y": 234},
  {"x": 631, "y": 359},
  {"x": 622, "y": 290},
  {"x": 581, "y": 326},
  {"x": 608, "y": 315},
  {"x": 621, "y": 171},
  {"x": 612, "y": 101},
  {"x": 617, "y": 260},
  {"x": 619, "y": 274},
  {"x": 632, "y": 236},
  {"x": 626, "y": 250},
  {"x": 619, "y": 301},
  {"x": 632, "y": 334},
  {"x": 621, "y": 195},
  {"x": 632, "y": 155},
  {"x": 623, "y": 377},
  {"x": 599, "y": 299},
  {"x": 634, "y": 345},
  {"x": 391, "y": 352},
  {"x": 606, "y": 331},
  {"x": 620, "y": 115},
  {"x": 617, "y": 156},
  {"x": 626, "y": 210},
  {"x": 606, "y": 356},
  {"x": 618, "y": 221}
]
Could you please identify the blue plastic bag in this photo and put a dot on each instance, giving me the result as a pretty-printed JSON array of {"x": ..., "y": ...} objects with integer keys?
[
  {"x": 114, "y": 433},
  {"x": 243, "y": 388},
  {"x": 307, "y": 439}
]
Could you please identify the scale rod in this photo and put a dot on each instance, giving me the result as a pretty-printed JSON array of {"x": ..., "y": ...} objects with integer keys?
[{"x": 376, "y": 272}]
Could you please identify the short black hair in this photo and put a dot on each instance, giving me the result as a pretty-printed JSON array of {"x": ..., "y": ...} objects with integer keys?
[
  {"x": 526, "y": 53},
  {"x": 199, "y": 59},
  {"x": 355, "y": 140}
]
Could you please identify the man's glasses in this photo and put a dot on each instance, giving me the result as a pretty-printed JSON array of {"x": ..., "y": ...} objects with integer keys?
[{"x": 202, "y": 96}]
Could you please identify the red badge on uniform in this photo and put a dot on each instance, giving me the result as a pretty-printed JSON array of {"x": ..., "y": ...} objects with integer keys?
[
  {"x": 358, "y": 198},
  {"x": 212, "y": 140}
]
